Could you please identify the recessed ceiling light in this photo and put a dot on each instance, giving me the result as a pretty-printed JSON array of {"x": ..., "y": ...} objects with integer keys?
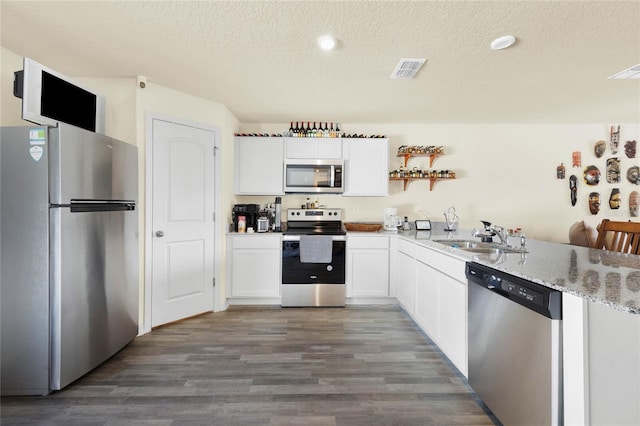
[
  {"x": 327, "y": 42},
  {"x": 503, "y": 42}
]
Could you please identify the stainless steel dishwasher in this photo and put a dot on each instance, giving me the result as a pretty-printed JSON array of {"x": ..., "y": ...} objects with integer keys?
[{"x": 515, "y": 346}]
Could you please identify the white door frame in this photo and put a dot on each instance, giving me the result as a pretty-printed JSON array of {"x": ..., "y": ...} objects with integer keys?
[{"x": 148, "y": 208}]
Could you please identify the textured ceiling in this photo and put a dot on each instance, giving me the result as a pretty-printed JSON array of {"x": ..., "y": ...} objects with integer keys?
[{"x": 260, "y": 58}]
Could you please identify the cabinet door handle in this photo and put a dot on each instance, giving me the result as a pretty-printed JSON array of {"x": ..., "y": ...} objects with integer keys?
[{"x": 159, "y": 234}]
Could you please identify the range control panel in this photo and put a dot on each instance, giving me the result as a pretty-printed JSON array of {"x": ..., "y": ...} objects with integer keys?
[{"x": 314, "y": 214}]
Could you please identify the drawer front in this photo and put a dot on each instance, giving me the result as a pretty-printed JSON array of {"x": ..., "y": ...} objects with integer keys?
[
  {"x": 256, "y": 241},
  {"x": 448, "y": 265},
  {"x": 407, "y": 247},
  {"x": 372, "y": 242}
]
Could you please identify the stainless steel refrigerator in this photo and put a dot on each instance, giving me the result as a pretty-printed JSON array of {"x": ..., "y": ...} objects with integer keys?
[{"x": 69, "y": 254}]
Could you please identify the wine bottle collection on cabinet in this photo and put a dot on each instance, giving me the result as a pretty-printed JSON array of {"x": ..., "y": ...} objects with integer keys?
[{"x": 312, "y": 129}]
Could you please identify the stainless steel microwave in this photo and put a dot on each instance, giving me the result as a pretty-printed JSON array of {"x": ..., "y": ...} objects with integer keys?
[{"x": 313, "y": 176}]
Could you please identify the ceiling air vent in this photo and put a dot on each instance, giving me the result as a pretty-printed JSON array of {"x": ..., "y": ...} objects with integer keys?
[
  {"x": 629, "y": 73},
  {"x": 408, "y": 68}
]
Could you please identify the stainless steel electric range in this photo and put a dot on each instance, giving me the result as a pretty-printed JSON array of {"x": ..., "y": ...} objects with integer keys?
[{"x": 314, "y": 250}]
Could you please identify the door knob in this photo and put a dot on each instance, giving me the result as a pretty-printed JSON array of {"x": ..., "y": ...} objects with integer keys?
[{"x": 159, "y": 234}]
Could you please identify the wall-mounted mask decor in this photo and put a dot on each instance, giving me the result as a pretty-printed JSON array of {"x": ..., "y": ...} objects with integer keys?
[
  {"x": 630, "y": 149},
  {"x": 591, "y": 175},
  {"x": 634, "y": 201},
  {"x": 599, "y": 148},
  {"x": 614, "y": 138},
  {"x": 560, "y": 171},
  {"x": 594, "y": 202},
  {"x": 615, "y": 199},
  {"x": 573, "y": 189},
  {"x": 576, "y": 159},
  {"x": 613, "y": 170},
  {"x": 633, "y": 175}
]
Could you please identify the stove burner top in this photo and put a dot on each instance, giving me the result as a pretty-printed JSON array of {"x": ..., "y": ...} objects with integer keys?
[
  {"x": 314, "y": 222},
  {"x": 315, "y": 230}
]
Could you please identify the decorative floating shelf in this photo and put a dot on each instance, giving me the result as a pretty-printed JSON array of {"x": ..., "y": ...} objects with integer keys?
[
  {"x": 431, "y": 181},
  {"x": 407, "y": 156}
]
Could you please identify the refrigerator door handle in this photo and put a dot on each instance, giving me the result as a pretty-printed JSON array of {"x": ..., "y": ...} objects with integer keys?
[{"x": 98, "y": 206}]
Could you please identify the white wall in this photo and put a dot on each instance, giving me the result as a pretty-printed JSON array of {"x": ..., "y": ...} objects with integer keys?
[
  {"x": 505, "y": 173},
  {"x": 10, "y": 106}
]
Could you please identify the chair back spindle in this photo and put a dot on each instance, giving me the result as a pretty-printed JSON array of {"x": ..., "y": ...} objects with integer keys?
[{"x": 622, "y": 237}]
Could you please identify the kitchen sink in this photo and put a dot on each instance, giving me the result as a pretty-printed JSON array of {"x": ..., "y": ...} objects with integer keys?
[{"x": 479, "y": 247}]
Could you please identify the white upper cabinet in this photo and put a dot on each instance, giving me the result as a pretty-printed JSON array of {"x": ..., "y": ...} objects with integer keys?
[
  {"x": 313, "y": 148},
  {"x": 258, "y": 165},
  {"x": 366, "y": 165}
]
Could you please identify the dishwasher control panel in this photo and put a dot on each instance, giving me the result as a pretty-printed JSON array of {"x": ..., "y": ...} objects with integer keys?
[
  {"x": 523, "y": 292},
  {"x": 539, "y": 298}
]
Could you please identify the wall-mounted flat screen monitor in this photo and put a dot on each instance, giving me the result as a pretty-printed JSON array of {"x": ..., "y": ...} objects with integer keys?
[{"x": 49, "y": 97}]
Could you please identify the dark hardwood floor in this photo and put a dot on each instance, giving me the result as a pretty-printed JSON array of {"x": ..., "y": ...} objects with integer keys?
[{"x": 361, "y": 365}]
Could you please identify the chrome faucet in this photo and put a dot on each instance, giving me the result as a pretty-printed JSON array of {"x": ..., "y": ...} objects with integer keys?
[
  {"x": 501, "y": 233},
  {"x": 486, "y": 235}
]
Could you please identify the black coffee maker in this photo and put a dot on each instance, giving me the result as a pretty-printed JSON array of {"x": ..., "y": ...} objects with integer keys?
[{"x": 250, "y": 213}]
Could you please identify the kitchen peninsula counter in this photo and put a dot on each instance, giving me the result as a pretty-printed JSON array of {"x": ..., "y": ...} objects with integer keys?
[
  {"x": 600, "y": 340},
  {"x": 599, "y": 276}
]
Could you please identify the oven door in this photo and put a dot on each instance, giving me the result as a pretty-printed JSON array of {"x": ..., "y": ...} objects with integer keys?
[
  {"x": 296, "y": 272},
  {"x": 313, "y": 284}
]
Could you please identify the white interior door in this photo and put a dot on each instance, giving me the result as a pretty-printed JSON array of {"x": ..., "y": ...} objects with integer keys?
[{"x": 182, "y": 221}]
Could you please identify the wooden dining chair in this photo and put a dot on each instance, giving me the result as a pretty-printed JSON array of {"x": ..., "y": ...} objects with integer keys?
[{"x": 623, "y": 237}]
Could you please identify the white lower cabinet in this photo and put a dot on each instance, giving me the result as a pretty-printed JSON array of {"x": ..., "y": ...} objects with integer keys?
[
  {"x": 432, "y": 288},
  {"x": 255, "y": 266},
  {"x": 441, "y": 311},
  {"x": 367, "y": 266},
  {"x": 426, "y": 306},
  {"x": 406, "y": 281},
  {"x": 601, "y": 363}
]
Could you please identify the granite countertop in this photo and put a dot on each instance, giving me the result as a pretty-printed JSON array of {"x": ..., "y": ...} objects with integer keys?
[{"x": 600, "y": 276}]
